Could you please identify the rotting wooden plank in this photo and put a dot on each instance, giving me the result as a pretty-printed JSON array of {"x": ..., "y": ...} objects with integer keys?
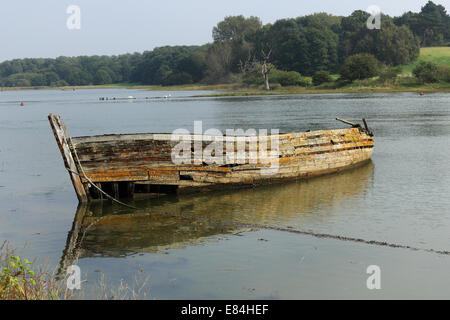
[
  {"x": 143, "y": 170},
  {"x": 62, "y": 139},
  {"x": 146, "y": 158}
]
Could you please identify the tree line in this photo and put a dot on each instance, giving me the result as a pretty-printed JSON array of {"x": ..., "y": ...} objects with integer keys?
[{"x": 288, "y": 49}]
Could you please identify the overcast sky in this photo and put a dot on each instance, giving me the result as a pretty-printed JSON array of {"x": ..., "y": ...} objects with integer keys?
[{"x": 38, "y": 28}]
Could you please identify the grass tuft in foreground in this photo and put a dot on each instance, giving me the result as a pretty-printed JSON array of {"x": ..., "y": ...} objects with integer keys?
[{"x": 20, "y": 279}]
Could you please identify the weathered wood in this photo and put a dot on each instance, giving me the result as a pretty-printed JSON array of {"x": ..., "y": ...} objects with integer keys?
[
  {"x": 62, "y": 139},
  {"x": 147, "y": 159},
  {"x": 367, "y": 127},
  {"x": 347, "y": 122}
]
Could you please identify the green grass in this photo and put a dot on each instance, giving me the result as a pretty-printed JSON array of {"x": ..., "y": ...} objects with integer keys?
[{"x": 438, "y": 55}]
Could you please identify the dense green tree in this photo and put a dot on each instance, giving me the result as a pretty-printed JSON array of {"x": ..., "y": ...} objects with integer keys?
[
  {"x": 321, "y": 77},
  {"x": 38, "y": 80},
  {"x": 236, "y": 28},
  {"x": 102, "y": 77},
  {"x": 51, "y": 78},
  {"x": 157, "y": 65},
  {"x": 360, "y": 66},
  {"x": 391, "y": 44},
  {"x": 218, "y": 61},
  {"x": 444, "y": 73},
  {"x": 194, "y": 65},
  {"x": 431, "y": 24},
  {"x": 237, "y": 33},
  {"x": 426, "y": 72},
  {"x": 288, "y": 43},
  {"x": 306, "y": 44},
  {"x": 395, "y": 45}
]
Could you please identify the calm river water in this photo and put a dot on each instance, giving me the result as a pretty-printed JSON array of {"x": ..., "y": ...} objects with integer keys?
[{"x": 200, "y": 250}]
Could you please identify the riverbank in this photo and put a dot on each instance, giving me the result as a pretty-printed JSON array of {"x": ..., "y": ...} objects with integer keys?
[
  {"x": 302, "y": 90},
  {"x": 224, "y": 90}
]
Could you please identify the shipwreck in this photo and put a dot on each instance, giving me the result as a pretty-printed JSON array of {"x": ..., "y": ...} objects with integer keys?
[{"x": 123, "y": 165}]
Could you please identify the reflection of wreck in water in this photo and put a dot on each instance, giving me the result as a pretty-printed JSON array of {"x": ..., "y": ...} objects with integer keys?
[
  {"x": 102, "y": 230},
  {"x": 274, "y": 203},
  {"x": 98, "y": 233}
]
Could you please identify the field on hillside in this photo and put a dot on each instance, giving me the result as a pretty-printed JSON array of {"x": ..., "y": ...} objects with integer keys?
[{"x": 439, "y": 55}]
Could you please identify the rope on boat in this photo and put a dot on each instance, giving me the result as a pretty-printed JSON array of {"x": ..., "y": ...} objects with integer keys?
[{"x": 90, "y": 181}]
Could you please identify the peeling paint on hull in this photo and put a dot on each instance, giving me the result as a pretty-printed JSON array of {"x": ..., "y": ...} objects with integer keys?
[{"x": 124, "y": 164}]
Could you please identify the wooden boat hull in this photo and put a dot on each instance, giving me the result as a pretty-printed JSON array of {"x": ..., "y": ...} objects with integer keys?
[{"x": 122, "y": 165}]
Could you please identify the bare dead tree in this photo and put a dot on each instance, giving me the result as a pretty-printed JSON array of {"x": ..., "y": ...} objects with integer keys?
[{"x": 265, "y": 70}]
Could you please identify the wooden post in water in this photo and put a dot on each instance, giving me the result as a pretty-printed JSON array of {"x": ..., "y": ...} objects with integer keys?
[{"x": 62, "y": 138}]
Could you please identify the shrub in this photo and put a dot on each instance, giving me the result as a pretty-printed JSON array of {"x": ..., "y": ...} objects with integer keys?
[
  {"x": 426, "y": 72},
  {"x": 390, "y": 73},
  {"x": 273, "y": 86},
  {"x": 444, "y": 73},
  {"x": 19, "y": 282},
  {"x": 254, "y": 77},
  {"x": 288, "y": 78},
  {"x": 283, "y": 78},
  {"x": 321, "y": 77},
  {"x": 59, "y": 83},
  {"x": 360, "y": 66}
]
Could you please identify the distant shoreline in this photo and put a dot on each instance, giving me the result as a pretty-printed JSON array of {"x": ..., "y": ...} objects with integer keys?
[{"x": 229, "y": 90}]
